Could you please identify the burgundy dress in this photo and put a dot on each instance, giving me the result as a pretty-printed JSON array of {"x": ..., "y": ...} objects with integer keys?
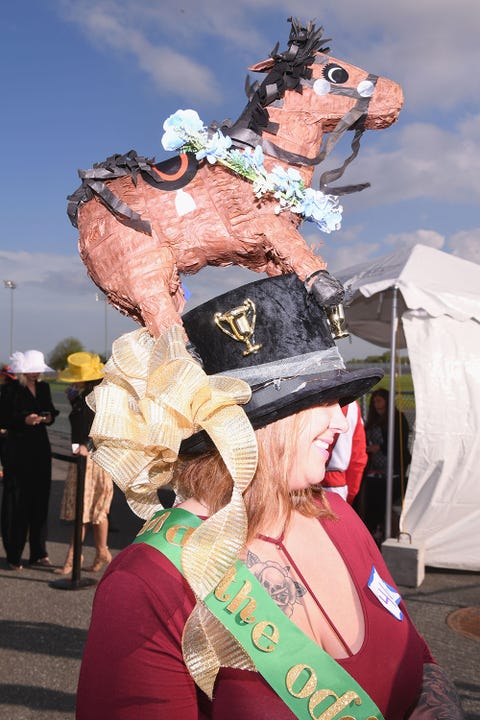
[{"x": 133, "y": 667}]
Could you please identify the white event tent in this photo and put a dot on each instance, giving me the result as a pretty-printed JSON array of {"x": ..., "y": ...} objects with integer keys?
[{"x": 435, "y": 298}]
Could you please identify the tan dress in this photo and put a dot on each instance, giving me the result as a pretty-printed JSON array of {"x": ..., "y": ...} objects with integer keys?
[{"x": 97, "y": 496}]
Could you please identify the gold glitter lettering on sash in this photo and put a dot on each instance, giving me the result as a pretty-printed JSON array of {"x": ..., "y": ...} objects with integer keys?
[
  {"x": 221, "y": 589},
  {"x": 267, "y": 630},
  {"x": 155, "y": 524},
  {"x": 239, "y": 599},
  {"x": 301, "y": 682},
  {"x": 308, "y": 686},
  {"x": 341, "y": 703},
  {"x": 178, "y": 534}
]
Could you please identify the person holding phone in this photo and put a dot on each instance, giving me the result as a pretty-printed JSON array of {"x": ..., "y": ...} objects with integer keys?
[{"x": 26, "y": 409}]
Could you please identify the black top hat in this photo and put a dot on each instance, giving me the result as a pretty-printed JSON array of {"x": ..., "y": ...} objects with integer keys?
[{"x": 273, "y": 334}]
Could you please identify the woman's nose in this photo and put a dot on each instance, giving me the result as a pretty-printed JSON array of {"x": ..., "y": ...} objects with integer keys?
[{"x": 339, "y": 421}]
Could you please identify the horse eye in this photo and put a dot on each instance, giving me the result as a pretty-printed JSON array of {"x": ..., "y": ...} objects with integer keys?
[{"x": 335, "y": 73}]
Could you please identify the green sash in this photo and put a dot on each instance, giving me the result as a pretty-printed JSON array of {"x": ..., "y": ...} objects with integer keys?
[{"x": 309, "y": 681}]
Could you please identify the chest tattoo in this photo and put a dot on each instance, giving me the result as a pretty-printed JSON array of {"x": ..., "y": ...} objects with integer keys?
[{"x": 277, "y": 581}]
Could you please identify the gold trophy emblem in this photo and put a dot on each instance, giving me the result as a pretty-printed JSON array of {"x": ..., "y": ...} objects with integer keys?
[
  {"x": 239, "y": 324},
  {"x": 337, "y": 322}
]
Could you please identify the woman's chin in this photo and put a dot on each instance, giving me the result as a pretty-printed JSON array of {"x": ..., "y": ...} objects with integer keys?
[{"x": 313, "y": 483}]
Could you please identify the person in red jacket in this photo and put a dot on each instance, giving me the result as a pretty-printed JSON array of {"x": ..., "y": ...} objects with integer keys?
[
  {"x": 349, "y": 457},
  {"x": 258, "y": 595}
]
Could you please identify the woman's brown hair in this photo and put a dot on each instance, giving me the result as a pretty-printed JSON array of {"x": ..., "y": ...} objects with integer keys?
[{"x": 268, "y": 496}]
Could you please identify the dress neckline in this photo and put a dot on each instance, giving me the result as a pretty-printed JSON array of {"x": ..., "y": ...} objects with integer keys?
[{"x": 280, "y": 544}]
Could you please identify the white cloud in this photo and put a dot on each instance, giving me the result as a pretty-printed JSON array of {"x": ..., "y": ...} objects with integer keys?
[
  {"x": 466, "y": 244},
  {"x": 348, "y": 255},
  {"x": 213, "y": 281},
  {"x": 399, "y": 241},
  {"x": 47, "y": 268},
  {"x": 341, "y": 249},
  {"x": 421, "y": 160},
  {"x": 54, "y": 299},
  {"x": 428, "y": 47},
  {"x": 118, "y": 27}
]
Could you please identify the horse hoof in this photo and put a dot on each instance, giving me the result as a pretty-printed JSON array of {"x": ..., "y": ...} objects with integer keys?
[{"x": 326, "y": 289}]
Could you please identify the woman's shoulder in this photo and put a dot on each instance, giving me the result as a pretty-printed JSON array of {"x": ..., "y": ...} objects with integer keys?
[
  {"x": 142, "y": 571},
  {"x": 347, "y": 529}
]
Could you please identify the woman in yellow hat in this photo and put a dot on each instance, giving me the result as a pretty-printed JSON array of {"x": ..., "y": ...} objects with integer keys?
[{"x": 84, "y": 371}]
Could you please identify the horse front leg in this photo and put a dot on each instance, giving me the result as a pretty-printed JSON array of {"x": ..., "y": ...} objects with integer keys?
[{"x": 288, "y": 252}]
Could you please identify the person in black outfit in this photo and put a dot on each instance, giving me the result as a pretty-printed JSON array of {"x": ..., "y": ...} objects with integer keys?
[
  {"x": 26, "y": 409},
  {"x": 6, "y": 377},
  {"x": 371, "y": 501}
]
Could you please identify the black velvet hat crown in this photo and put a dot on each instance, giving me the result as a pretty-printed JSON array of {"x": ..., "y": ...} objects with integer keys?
[{"x": 273, "y": 334}]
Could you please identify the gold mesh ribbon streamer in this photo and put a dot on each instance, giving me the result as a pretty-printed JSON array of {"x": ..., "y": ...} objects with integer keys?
[{"x": 153, "y": 396}]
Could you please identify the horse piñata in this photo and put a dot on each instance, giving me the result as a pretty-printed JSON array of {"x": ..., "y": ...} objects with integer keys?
[{"x": 141, "y": 225}]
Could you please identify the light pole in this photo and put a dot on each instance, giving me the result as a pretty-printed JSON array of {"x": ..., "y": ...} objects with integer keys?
[
  {"x": 103, "y": 298},
  {"x": 10, "y": 285}
]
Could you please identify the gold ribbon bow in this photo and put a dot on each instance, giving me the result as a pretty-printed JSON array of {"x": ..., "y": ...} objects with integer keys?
[{"x": 153, "y": 396}]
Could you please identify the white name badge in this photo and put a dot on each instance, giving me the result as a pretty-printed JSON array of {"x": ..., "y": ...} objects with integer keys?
[{"x": 385, "y": 593}]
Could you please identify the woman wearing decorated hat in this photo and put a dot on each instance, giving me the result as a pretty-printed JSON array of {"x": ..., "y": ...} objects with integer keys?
[
  {"x": 255, "y": 596},
  {"x": 84, "y": 371},
  {"x": 26, "y": 409},
  {"x": 6, "y": 377}
]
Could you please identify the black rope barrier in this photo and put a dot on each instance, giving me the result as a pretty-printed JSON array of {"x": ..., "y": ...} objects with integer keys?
[{"x": 76, "y": 582}]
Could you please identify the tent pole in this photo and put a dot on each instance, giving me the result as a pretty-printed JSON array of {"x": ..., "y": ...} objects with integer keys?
[{"x": 391, "y": 417}]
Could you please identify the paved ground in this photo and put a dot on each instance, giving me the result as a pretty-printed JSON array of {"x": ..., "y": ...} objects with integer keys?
[{"x": 43, "y": 628}]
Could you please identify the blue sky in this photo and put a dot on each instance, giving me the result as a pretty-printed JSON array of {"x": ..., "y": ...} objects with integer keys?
[{"x": 83, "y": 79}]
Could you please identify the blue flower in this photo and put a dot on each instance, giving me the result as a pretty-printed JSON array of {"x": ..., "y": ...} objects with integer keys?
[
  {"x": 181, "y": 127},
  {"x": 237, "y": 157},
  {"x": 324, "y": 210},
  {"x": 288, "y": 184},
  {"x": 253, "y": 158},
  {"x": 216, "y": 148},
  {"x": 279, "y": 178}
]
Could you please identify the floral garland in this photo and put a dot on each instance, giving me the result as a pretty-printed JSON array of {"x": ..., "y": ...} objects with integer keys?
[{"x": 185, "y": 132}]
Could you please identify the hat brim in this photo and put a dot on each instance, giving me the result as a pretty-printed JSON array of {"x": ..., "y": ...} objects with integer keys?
[
  {"x": 36, "y": 369},
  {"x": 64, "y": 376},
  {"x": 276, "y": 401}
]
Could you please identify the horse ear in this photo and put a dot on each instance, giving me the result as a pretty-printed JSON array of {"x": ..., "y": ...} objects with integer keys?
[{"x": 263, "y": 65}]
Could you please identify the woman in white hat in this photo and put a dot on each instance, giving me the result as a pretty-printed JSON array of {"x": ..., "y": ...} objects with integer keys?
[
  {"x": 84, "y": 371},
  {"x": 26, "y": 409},
  {"x": 256, "y": 596}
]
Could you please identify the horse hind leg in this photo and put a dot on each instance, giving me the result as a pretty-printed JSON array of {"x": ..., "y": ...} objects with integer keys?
[{"x": 137, "y": 272}]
